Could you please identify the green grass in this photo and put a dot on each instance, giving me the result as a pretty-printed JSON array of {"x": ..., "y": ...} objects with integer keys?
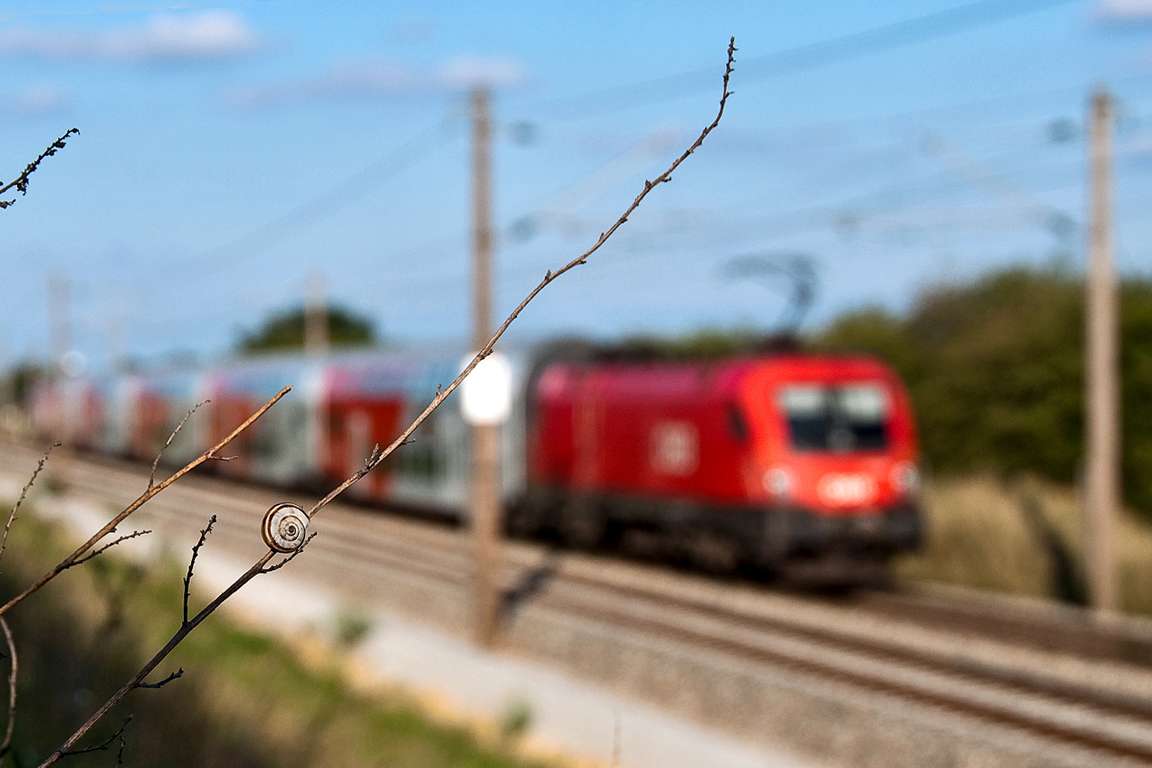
[{"x": 246, "y": 699}]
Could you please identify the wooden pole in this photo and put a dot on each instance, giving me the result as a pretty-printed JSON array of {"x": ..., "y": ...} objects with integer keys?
[
  {"x": 1102, "y": 481},
  {"x": 486, "y": 486}
]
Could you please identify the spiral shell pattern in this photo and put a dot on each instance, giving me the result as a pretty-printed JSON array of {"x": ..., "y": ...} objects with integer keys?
[{"x": 285, "y": 527}]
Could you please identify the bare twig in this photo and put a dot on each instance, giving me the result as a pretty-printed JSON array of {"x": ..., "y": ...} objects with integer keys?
[
  {"x": 21, "y": 182},
  {"x": 7, "y": 744},
  {"x": 184, "y": 630},
  {"x": 550, "y": 276},
  {"x": 148, "y": 494},
  {"x": 23, "y": 493},
  {"x": 104, "y": 744},
  {"x": 289, "y": 558},
  {"x": 171, "y": 437},
  {"x": 105, "y": 548},
  {"x": 261, "y": 566},
  {"x": 192, "y": 563},
  {"x": 174, "y": 676}
]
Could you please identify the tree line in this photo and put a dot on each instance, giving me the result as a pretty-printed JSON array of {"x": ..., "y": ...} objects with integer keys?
[{"x": 995, "y": 367}]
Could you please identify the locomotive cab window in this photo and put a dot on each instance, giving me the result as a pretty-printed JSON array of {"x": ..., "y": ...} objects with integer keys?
[{"x": 851, "y": 417}]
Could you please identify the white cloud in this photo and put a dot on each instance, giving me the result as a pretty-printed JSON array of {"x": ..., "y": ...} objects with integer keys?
[
  {"x": 212, "y": 34},
  {"x": 1123, "y": 11},
  {"x": 386, "y": 78}
]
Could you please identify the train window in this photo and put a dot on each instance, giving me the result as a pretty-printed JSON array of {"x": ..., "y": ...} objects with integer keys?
[{"x": 828, "y": 418}]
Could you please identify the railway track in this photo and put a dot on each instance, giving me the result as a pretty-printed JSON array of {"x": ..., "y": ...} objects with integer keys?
[{"x": 1050, "y": 674}]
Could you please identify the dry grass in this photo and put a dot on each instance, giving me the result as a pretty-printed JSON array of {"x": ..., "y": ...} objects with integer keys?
[{"x": 980, "y": 536}]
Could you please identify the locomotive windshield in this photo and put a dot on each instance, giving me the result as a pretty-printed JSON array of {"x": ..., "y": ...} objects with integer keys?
[{"x": 849, "y": 417}]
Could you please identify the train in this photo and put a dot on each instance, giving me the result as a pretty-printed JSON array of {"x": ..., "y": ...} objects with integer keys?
[{"x": 778, "y": 459}]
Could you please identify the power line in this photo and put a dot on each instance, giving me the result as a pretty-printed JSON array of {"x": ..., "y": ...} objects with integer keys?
[
  {"x": 319, "y": 208},
  {"x": 801, "y": 58}
]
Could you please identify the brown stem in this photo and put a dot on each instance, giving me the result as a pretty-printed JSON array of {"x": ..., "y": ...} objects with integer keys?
[
  {"x": 148, "y": 494},
  {"x": 23, "y": 493},
  {"x": 181, "y": 633},
  {"x": 379, "y": 456},
  {"x": 171, "y": 437},
  {"x": 11, "y": 688}
]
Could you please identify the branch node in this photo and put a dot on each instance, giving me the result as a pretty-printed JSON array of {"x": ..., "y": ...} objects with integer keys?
[
  {"x": 119, "y": 735},
  {"x": 289, "y": 558},
  {"x": 168, "y": 442},
  {"x": 174, "y": 676},
  {"x": 105, "y": 548}
]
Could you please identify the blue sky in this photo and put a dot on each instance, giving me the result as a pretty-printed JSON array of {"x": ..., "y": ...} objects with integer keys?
[{"x": 229, "y": 151}]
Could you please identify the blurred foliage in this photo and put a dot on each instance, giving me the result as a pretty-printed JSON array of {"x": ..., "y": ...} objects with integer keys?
[
  {"x": 996, "y": 371},
  {"x": 516, "y": 720},
  {"x": 21, "y": 380},
  {"x": 284, "y": 330},
  {"x": 352, "y": 627},
  {"x": 245, "y": 700}
]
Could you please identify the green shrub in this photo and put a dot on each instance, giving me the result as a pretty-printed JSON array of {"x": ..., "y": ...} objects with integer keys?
[{"x": 996, "y": 372}]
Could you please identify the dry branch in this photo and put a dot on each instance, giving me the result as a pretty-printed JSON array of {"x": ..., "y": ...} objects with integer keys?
[
  {"x": 192, "y": 563},
  {"x": 21, "y": 182},
  {"x": 69, "y": 561},
  {"x": 118, "y": 736},
  {"x": 12, "y": 670},
  {"x": 174, "y": 676},
  {"x": 549, "y": 277},
  {"x": 168, "y": 442},
  {"x": 105, "y": 548},
  {"x": 262, "y": 565},
  {"x": 288, "y": 558},
  {"x": 23, "y": 493}
]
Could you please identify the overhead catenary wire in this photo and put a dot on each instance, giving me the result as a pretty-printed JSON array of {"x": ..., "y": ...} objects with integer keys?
[
  {"x": 315, "y": 209},
  {"x": 771, "y": 65},
  {"x": 801, "y": 58}
]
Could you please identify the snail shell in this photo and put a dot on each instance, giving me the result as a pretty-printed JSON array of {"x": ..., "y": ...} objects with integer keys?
[{"x": 285, "y": 527}]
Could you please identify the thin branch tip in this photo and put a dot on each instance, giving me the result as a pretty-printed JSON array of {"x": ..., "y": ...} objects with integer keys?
[{"x": 192, "y": 564}]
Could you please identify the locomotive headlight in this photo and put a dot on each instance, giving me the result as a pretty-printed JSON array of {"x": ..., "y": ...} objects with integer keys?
[
  {"x": 779, "y": 483},
  {"x": 905, "y": 478}
]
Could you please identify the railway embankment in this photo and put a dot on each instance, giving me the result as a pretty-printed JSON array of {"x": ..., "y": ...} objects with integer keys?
[
  {"x": 647, "y": 657},
  {"x": 247, "y": 699}
]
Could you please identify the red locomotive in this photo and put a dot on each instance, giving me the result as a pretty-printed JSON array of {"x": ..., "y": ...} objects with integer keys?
[
  {"x": 766, "y": 459},
  {"x": 777, "y": 459}
]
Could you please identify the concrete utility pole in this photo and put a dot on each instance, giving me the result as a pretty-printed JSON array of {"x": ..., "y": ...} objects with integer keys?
[
  {"x": 316, "y": 316},
  {"x": 486, "y": 485},
  {"x": 1102, "y": 414}
]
